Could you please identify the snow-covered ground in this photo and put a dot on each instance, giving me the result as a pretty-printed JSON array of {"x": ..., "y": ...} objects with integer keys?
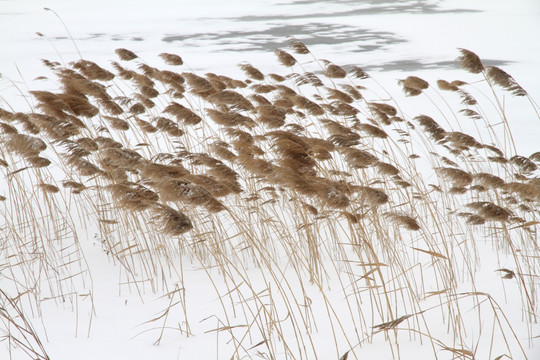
[{"x": 105, "y": 314}]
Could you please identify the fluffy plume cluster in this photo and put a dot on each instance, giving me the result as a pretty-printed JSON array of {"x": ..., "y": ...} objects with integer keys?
[
  {"x": 306, "y": 155},
  {"x": 262, "y": 132}
]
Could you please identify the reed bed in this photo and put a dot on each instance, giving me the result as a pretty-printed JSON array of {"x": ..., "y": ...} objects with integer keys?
[{"x": 325, "y": 218}]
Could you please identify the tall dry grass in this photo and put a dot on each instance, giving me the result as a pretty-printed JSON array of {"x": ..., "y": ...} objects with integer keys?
[{"x": 323, "y": 215}]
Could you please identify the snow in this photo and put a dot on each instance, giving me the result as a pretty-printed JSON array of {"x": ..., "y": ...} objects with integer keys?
[{"x": 391, "y": 40}]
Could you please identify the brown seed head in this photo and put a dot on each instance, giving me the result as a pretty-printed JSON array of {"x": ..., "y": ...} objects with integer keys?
[
  {"x": 171, "y": 59},
  {"x": 285, "y": 58},
  {"x": 470, "y": 61},
  {"x": 125, "y": 54}
]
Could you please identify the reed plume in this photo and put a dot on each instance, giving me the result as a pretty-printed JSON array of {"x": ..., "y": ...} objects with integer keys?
[
  {"x": 172, "y": 59},
  {"x": 470, "y": 61}
]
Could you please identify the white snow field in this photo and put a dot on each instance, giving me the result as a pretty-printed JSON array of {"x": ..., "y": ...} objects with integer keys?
[{"x": 358, "y": 193}]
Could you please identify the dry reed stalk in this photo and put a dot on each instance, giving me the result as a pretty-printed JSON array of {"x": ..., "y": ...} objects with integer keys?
[
  {"x": 122, "y": 158},
  {"x": 535, "y": 157},
  {"x": 148, "y": 72},
  {"x": 197, "y": 84},
  {"x": 413, "y": 85},
  {"x": 312, "y": 79},
  {"x": 117, "y": 123},
  {"x": 493, "y": 149},
  {"x": 182, "y": 114},
  {"x": 230, "y": 83},
  {"x": 489, "y": 180},
  {"x": 76, "y": 187},
  {"x": 262, "y": 89},
  {"x": 403, "y": 220},
  {"x": 271, "y": 116},
  {"x": 471, "y": 114},
  {"x": 459, "y": 178},
  {"x": 171, "y": 59},
  {"x": 340, "y": 140},
  {"x": 352, "y": 91},
  {"x": 221, "y": 150},
  {"x": 172, "y": 79},
  {"x": 430, "y": 126},
  {"x": 386, "y": 108},
  {"x": 339, "y": 95},
  {"x": 229, "y": 118},
  {"x": 241, "y": 135},
  {"x": 343, "y": 109},
  {"x": 256, "y": 166},
  {"x": 60, "y": 103},
  {"x": 357, "y": 158},
  {"x": 145, "y": 101},
  {"x": 466, "y": 98},
  {"x": 84, "y": 167},
  {"x": 372, "y": 130},
  {"x": 277, "y": 77},
  {"x": 475, "y": 220},
  {"x": 137, "y": 109},
  {"x": 259, "y": 99},
  {"x": 461, "y": 141},
  {"x": 24, "y": 145},
  {"x": 133, "y": 197},
  {"x": 111, "y": 107},
  {"x": 158, "y": 172},
  {"x": 49, "y": 188},
  {"x": 285, "y": 58},
  {"x": 172, "y": 190},
  {"x": 298, "y": 47},
  {"x": 125, "y": 54},
  {"x": 284, "y": 103},
  {"x": 252, "y": 71},
  {"x": 294, "y": 165},
  {"x": 334, "y": 71},
  {"x": 371, "y": 196},
  {"x": 335, "y": 128},
  {"x": 38, "y": 161},
  {"x": 6, "y": 115},
  {"x": 148, "y": 91},
  {"x": 7, "y": 129},
  {"x": 490, "y": 211},
  {"x": 54, "y": 128},
  {"x": 304, "y": 103},
  {"x": 215, "y": 188},
  {"x": 171, "y": 222},
  {"x": 104, "y": 142},
  {"x": 145, "y": 126},
  {"x": 526, "y": 191},
  {"x": 231, "y": 98},
  {"x": 218, "y": 84},
  {"x": 24, "y": 120},
  {"x": 470, "y": 61},
  {"x": 92, "y": 70},
  {"x": 525, "y": 164},
  {"x": 386, "y": 168},
  {"x": 446, "y": 86},
  {"x": 168, "y": 126}
]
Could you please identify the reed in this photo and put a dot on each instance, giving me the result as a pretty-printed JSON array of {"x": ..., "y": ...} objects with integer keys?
[{"x": 299, "y": 195}]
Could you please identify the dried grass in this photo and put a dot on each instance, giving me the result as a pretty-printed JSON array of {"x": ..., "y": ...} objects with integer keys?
[{"x": 308, "y": 169}]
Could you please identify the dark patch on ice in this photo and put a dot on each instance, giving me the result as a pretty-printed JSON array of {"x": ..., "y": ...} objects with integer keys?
[
  {"x": 275, "y": 36},
  {"x": 377, "y": 7},
  {"x": 415, "y": 65}
]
